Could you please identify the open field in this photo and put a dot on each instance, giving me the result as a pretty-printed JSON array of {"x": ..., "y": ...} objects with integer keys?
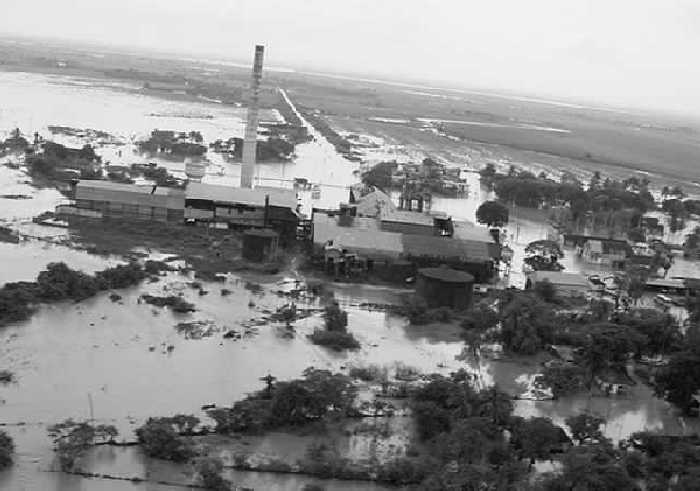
[{"x": 583, "y": 136}]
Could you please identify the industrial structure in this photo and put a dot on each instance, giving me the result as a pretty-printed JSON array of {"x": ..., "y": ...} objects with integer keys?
[
  {"x": 445, "y": 287},
  {"x": 199, "y": 204},
  {"x": 229, "y": 207},
  {"x": 105, "y": 199},
  {"x": 250, "y": 140},
  {"x": 350, "y": 245}
]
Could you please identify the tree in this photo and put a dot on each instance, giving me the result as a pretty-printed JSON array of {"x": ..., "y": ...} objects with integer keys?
[
  {"x": 660, "y": 328},
  {"x": 160, "y": 440},
  {"x": 71, "y": 439},
  {"x": 592, "y": 468},
  {"x": 480, "y": 317},
  {"x": 492, "y": 213},
  {"x": 209, "y": 470},
  {"x": 545, "y": 290},
  {"x": 7, "y": 448},
  {"x": 585, "y": 428},
  {"x": 527, "y": 323},
  {"x": 335, "y": 318},
  {"x": 488, "y": 172},
  {"x": 537, "y": 438},
  {"x": 680, "y": 380},
  {"x": 495, "y": 405}
]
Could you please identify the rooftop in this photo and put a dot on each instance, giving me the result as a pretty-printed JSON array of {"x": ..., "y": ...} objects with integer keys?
[
  {"x": 284, "y": 198},
  {"x": 447, "y": 248},
  {"x": 126, "y": 188},
  {"x": 447, "y": 275},
  {"x": 364, "y": 235},
  {"x": 412, "y": 217},
  {"x": 559, "y": 278}
]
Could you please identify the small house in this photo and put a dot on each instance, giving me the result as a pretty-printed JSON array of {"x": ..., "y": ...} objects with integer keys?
[
  {"x": 605, "y": 252},
  {"x": 565, "y": 284}
]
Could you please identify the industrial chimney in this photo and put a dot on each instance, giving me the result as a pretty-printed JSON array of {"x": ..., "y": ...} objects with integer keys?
[{"x": 250, "y": 139}]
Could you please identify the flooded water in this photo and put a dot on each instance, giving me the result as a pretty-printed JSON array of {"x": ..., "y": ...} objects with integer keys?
[{"x": 112, "y": 361}]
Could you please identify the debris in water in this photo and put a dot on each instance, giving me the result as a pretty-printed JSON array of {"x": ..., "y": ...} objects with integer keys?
[{"x": 197, "y": 329}]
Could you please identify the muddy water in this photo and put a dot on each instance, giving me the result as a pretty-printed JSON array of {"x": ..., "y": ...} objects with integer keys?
[{"x": 95, "y": 358}]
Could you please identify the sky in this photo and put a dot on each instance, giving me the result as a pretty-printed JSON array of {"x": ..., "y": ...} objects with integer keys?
[{"x": 640, "y": 53}]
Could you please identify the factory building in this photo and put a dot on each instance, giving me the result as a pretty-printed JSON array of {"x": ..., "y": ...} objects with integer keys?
[
  {"x": 104, "y": 199},
  {"x": 353, "y": 245},
  {"x": 225, "y": 206}
]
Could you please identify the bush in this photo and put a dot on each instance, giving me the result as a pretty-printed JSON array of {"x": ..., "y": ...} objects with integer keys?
[
  {"x": 416, "y": 310},
  {"x": 295, "y": 402},
  {"x": 250, "y": 415},
  {"x": 72, "y": 439},
  {"x": 176, "y": 304},
  {"x": 6, "y": 377},
  {"x": 564, "y": 378},
  {"x": 7, "y": 447},
  {"x": 159, "y": 439},
  {"x": 209, "y": 470},
  {"x": 59, "y": 282},
  {"x": 336, "y": 319},
  {"x": 335, "y": 340},
  {"x": 403, "y": 471},
  {"x": 368, "y": 373}
]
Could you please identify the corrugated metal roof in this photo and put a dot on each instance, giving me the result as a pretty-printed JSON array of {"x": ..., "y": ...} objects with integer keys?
[
  {"x": 666, "y": 283},
  {"x": 364, "y": 236},
  {"x": 285, "y": 198},
  {"x": 130, "y": 194},
  {"x": 412, "y": 217},
  {"x": 363, "y": 239},
  {"x": 445, "y": 247},
  {"x": 448, "y": 275},
  {"x": 89, "y": 185},
  {"x": 558, "y": 278}
]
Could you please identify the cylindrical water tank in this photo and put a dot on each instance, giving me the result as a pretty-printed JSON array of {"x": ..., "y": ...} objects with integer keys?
[{"x": 195, "y": 170}]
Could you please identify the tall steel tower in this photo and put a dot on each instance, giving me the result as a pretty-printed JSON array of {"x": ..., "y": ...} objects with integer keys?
[{"x": 251, "y": 129}]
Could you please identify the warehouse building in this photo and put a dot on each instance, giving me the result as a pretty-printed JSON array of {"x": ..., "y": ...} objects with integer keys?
[
  {"x": 565, "y": 284},
  {"x": 352, "y": 244},
  {"x": 226, "y": 206},
  {"x": 104, "y": 199}
]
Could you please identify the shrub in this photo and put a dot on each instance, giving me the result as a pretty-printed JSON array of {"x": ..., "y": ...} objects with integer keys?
[
  {"x": 335, "y": 340},
  {"x": 250, "y": 415},
  {"x": 288, "y": 403},
  {"x": 336, "y": 319},
  {"x": 368, "y": 373},
  {"x": 159, "y": 439},
  {"x": 176, "y": 304},
  {"x": 155, "y": 267},
  {"x": 6, "y": 377},
  {"x": 71, "y": 439},
  {"x": 209, "y": 470},
  {"x": 564, "y": 378},
  {"x": 403, "y": 471},
  {"x": 7, "y": 447}
]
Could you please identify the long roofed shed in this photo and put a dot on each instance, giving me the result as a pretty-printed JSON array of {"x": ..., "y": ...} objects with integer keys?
[{"x": 283, "y": 198}]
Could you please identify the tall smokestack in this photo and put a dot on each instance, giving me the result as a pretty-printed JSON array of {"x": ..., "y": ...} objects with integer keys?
[{"x": 251, "y": 128}]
